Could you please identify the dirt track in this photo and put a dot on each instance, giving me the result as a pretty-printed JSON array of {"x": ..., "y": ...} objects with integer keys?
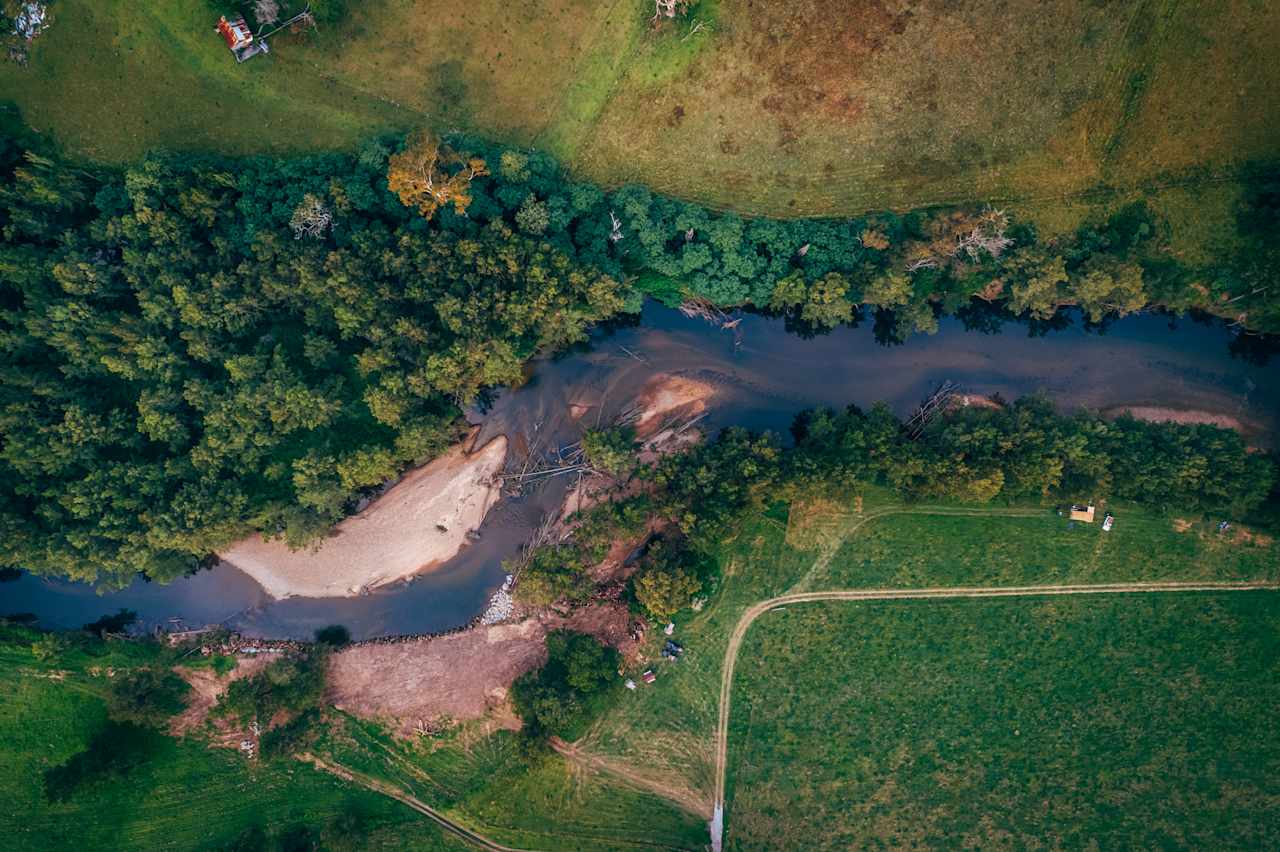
[
  {"x": 690, "y": 800},
  {"x": 413, "y": 802}
]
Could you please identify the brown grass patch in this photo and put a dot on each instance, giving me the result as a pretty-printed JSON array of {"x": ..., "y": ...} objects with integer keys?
[{"x": 815, "y": 522}]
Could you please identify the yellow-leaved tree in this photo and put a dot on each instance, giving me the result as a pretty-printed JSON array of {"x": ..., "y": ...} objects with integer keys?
[{"x": 428, "y": 174}]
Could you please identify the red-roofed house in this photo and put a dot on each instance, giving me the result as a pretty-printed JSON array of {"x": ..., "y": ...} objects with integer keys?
[
  {"x": 235, "y": 32},
  {"x": 239, "y": 38}
]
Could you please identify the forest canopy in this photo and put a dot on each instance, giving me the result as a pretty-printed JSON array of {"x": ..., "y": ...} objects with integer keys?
[{"x": 195, "y": 348}]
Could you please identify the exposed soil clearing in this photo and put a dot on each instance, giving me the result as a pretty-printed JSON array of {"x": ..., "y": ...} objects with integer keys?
[
  {"x": 207, "y": 686},
  {"x": 464, "y": 675},
  {"x": 418, "y": 524}
]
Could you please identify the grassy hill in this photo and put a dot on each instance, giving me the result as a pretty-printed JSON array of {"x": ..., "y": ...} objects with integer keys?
[
  {"x": 788, "y": 109},
  {"x": 183, "y": 795}
]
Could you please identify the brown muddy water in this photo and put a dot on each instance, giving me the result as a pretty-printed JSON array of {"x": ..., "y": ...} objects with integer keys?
[{"x": 764, "y": 375}]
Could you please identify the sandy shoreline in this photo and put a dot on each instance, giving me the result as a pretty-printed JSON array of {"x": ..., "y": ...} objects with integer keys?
[
  {"x": 1161, "y": 414},
  {"x": 666, "y": 397},
  {"x": 419, "y": 523}
]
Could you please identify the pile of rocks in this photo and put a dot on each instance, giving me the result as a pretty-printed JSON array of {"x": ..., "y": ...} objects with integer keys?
[{"x": 501, "y": 606}]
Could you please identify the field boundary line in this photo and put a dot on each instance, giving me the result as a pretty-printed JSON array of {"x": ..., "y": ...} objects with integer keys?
[{"x": 928, "y": 593}]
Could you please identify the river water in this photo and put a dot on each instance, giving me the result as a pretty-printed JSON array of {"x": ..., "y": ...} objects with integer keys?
[{"x": 764, "y": 375}]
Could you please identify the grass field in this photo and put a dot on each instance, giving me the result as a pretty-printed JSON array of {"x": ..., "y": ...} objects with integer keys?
[
  {"x": 184, "y": 797},
  {"x": 492, "y": 784},
  {"x": 1118, "y": 722},
  {"x": 667, "y": 730},
  {"x": 904, "y": 552},
  {"x": 1058, "y": 109}
]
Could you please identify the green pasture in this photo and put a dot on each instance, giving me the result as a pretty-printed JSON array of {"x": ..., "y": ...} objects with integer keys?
[
  {"x": 187, "y": 796},
  {"x": 184, "y": 796},
  {"x": 668, "y": 728},
  {"x": 499, "y": 785},
  {"x": 1141, "y": 721}
]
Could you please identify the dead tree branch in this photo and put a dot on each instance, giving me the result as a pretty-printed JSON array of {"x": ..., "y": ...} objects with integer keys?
[
  {"x": 931, "y": 407},
  {"x": 311, "y": 218}
]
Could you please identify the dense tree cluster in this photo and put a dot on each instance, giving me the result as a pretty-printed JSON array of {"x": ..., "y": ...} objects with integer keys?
[
  {"x": 1028, "y": 451},
  {"x": 177, "y": 370},
  {"x": 577, "y": 681},
  {"x": 1023, "y": 452},
  {"x": 194, "y": 349},
  {"x": 670, "y": 577}
]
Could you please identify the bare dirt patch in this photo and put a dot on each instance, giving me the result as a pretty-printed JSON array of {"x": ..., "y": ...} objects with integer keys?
[
  {"x": 974, "y": 400},
  {"x": 207, "y": 686},
  {"x": 461, "y": 676},
  {"x": 419, "y": 523},
  {"x": 1246, "y": 536}
]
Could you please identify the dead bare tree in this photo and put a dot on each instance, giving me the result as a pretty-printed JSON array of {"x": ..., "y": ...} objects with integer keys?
[
  {"x": 668, "y": 9},
  {"x": 615, "y": 235},
  {"x": 931, "y": 407},
  {"x": 311, "y": 218},
  {"x": 698, "y": 26},
  {"x": 303, "y": 19},
  {"x": 636, "y": 355},
  {"x": 922, "y": 263},
  {"x": 547, "y": 532},
  {"x": 539, "y": 466},
  {"x": 266, "y": 11},
  {"x": 986, "y": 236},
  {"x": 700, "y": 307},
  {"x": 28, "y": 19}
]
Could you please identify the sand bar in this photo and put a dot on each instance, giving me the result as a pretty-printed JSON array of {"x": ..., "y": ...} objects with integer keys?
[{"x": 419, "y": 523}]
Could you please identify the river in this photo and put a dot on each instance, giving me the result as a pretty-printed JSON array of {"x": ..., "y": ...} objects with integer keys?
[{"x": 764, "y": 375}]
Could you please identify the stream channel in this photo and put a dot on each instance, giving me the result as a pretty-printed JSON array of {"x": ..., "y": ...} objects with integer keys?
[{"x": 764, "y": 375}]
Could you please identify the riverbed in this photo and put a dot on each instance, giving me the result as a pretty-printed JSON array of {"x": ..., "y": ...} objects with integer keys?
[{"x": 763, "y": 376}]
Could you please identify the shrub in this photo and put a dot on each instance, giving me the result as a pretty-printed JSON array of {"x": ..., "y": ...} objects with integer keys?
[
  {"x": 146, "y": 696},
  {"x": 570, "y": 689}
]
